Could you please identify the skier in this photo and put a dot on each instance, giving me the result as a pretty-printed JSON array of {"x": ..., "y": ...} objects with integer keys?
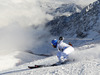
[{"x": 63, "y": 49}]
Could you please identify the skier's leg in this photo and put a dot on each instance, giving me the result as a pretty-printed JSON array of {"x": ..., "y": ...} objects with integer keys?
[
  {"x": 64, "y": 57},
  {"x": 59, "y": 54}
]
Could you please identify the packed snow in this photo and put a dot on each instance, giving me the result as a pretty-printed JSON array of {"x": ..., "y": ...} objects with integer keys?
[{"x": 87, "y": 62}]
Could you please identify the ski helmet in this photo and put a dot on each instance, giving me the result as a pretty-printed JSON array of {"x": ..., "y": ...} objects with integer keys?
[{"x": 54, "y": 42}]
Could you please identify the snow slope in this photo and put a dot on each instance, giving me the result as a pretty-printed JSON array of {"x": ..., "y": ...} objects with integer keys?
[
  {"x": 21, "y": 26},
  {"x": 87, "y": 62}
]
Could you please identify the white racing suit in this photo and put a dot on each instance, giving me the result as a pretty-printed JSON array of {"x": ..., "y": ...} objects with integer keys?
[{"x": 63, "y": 51}]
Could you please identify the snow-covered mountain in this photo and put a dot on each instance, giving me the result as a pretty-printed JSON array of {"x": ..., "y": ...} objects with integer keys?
[
  {"x": 67, "y": 9},
  {"x": 78, "y": 24},
  {"x": 63, "y": 7}
]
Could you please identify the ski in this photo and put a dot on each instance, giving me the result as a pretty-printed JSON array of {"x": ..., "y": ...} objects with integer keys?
[
  {"x": 40, "y": 66},
  {"x": 36, "y": 66},
  {"x": 55, "y": 64}
]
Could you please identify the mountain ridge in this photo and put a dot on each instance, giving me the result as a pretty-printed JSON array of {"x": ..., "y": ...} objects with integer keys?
[{"x": 77, "y": 24}]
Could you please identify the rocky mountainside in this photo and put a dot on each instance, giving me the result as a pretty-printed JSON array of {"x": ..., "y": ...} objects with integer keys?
[
  {"x": 67, "y": 9},
  {"x": 59, "y": 8},
  {"x": 78, "y": 24}
]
